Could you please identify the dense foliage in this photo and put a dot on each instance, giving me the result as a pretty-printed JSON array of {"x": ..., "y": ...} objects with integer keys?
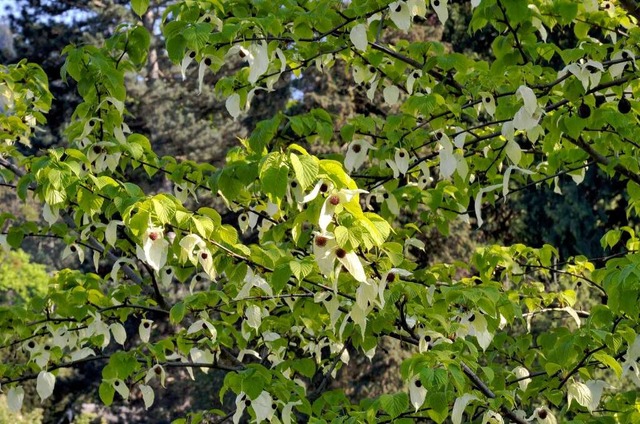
[{"x": 281, "y": 265}]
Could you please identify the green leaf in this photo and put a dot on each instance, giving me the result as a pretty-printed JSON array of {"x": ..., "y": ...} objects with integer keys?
[
  {"x": 177, "y": 313},
  {"x": 566, "y": 11},
  {"x": 264, "y": 132},
  {"x": 176, "y": 47},
  {"x": 274, "y": 176},
  {"x": 439, "y": 409},
  {"x": 394, "y": 405},
  {"x": 139, "y": 6},
  {"x": 395, "y": 251},
  {"x": 106, "y": 392},
  {"x": 335, "y": 171},
  {"x": 280, "y": 276},
  {"x": 138, "y": 47},
  {"x": 609, "y": 361},
  {"x": 164, "y": 207},
  {"x": 305, "y": 168},
  {"x": 301, "y": 268},
  {"x": 305, "y": 366},
  {"x": 15, "y": 236}
]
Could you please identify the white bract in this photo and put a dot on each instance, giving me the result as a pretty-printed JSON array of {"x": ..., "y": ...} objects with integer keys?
[
  {"x": 543, "y": 416},
  {"x": 478, "y": 201},
  {"x": 474, "y": 324},
  {"x": 51, "y": 214},
  {"x": 440, "y": 7},
  {"x": 73, "y": 248},
  {"x": 617, "y": 69},
  {"x": 15, "y": 397},
  {"x": 121, "y": 387},
  {"x": 459, "y": 406},
  {"x": 101, "y": 159},
  {"x": 537, "y": 23},
  {"x": 233, "y": 105},
  {"x": 202, "y": 324},
  {"x": 254, "y": 316},
  {"x": 631, "y": 365},
  {"x": 240, "y": 406},
  {"x": 580, "y": 392},
  {"x": 183, "y": 191},
  {"x": 118, "y": 332},
  {"x": 590, "y": 5},
  {"x": 258, "y": 61},
  {"x": 253, "y": 280},
  {"x": 417, "y": 7},
  {"x": 399, "y": 14},
  {"x": 99, "y": 328},
  {"x": 334, "y": 204},
  {"x": 111, "y": 232},
  {"x": 400, "y": 163},
  {"x": 391, "y": 94},
  {"x": 522, "y": 374},
  {"x": 326, "y": 251},
  {"x": 382, "y": 196},
  {"x": 417, "y": 392},
  {"x": 527, "y": 117},
  {"x": 356, "y": 154},
  {"x": 148, "y": 396},
  {"x": 610, "y": 8},
  {"x": 154, "y": 248},
  {"x": 596, "y": 387},
  {"x": 44, "y": 385},
  {"x": 186, "y": 61},
  {"x": 248, "y": 220},
  {"x": 83, "y": 353},
  {"x": 588, "y": 73},
  {"x": 144, "y": 330},
  {"x": 492, "y": 417},
  {"x": 358, "y": 37},
  {"x": 199, "y": 356},
  {"x": 489, "y": 103},
  {"x": 325, "y": 62},
  {"x": 371, "y": 90},
  {"x": 507, "y": 175},
  {"x": 195, "y": 249},
  {"x": 204, "y": 64},
  {"x": 156, "y": 371},
  {"x": 448, "y": 161},
  {"x": 389, "y": 277},
  {"x": 263, "y": 407},
  {"x": 411, "y": 80},
  {"x": 362, "y": 73},
  {"x": 287, "y": 411}
]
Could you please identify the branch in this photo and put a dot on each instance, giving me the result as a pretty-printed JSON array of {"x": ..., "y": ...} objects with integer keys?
[
  {"x": 559, "y": 271},
  {"x": 435, "y": 74},
  {"x": 603, "y": 160},
  {"x": 513, "y": 32},
  {"x": 480, "y": 385},
  {"x": 582, "y": 314},
  {"x": 54, "y": 367},
  {"x": 632, "y": 7}
]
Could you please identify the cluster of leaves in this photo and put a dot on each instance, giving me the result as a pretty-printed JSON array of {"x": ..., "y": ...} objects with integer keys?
[{"x": 310, "y": 260}]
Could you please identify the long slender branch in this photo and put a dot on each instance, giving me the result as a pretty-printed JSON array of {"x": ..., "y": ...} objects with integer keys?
[
  {"x": 601, "y": 159},
  {"x": 513, "y": 32},
  {"x": 632, "y": 7},
  {"x": 480, "y": 385},
  {"x": 560, "y": 271},
  {"x": 54, "y": 367}
]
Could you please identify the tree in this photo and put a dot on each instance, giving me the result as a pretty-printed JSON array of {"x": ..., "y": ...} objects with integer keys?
[{"x": 310, "y": 259}]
